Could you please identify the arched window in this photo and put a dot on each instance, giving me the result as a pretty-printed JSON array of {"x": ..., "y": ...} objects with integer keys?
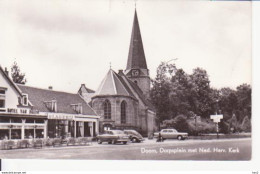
[
  {"x": 107, "y": 110},
  {"x": 123, "y": 112}
]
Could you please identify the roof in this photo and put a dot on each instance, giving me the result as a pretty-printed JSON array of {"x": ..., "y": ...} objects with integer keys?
[
  {"x": 139, "y": 92},
  {"x": 113, "y": 84},
  {"x": 136, "y": 56},
  {"x": 120, "y": 84},
  {"x": 84, "y": 89},
  {"x": 38, "y": 96},
  {"x": 10, "y": 81}
]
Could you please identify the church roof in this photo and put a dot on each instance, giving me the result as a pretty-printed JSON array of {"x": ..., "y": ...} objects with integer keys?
[
  {"x": 119, "y": 84},
  {"x": 38, "y": 97},
  {"x": 139, "y": 92},
  {"x": 112, "y": 84},
  {"x": 136, "y": 56}
]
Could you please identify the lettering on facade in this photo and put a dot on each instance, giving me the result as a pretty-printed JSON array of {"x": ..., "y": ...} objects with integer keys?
[{"x": 60, "y": 117}]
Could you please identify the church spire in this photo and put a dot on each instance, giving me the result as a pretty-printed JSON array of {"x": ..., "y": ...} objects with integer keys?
[{"x": 136, "y": 56}]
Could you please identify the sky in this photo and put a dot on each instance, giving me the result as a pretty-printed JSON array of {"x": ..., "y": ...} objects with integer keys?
[{"x": 67, "y": 43}]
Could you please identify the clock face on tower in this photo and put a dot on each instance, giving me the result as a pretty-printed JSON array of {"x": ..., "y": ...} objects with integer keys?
[{"x": 135, "y": 72}]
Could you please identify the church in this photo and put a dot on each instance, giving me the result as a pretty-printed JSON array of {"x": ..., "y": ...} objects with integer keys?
[{"x": 122, "y": 98}]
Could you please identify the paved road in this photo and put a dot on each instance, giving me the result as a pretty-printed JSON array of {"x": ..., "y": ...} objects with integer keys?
[{"x": 229, "y": 149}]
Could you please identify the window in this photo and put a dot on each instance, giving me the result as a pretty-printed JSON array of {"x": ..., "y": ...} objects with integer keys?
[
  {"x": 2, "y": 91},
  {"x": 123, "y": 112},
  {"x": 77, "y": 108},
  {"x": 107, "y": 110},
  {"x": 25, "y": 99},
  {"x": 2, "y": 103},
  {"x": 2, "y": 97},
  {"x": 54, "y": 105},
  {"x": 51, "y": 105}
]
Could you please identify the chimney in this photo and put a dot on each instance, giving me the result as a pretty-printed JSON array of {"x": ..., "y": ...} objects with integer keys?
[
  {"x": 120, "y": 71},
  {"x": 50, "y": 87},
  {"x": 6, "y": 71}
]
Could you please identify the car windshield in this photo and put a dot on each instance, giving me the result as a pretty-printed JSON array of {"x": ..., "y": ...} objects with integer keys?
[{"x": 118, "y": 132}]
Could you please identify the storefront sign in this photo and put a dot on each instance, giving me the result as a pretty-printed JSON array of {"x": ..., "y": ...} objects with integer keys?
[
  {"x": 60, "y": 117},
  {"x": 18, "y": 111}
]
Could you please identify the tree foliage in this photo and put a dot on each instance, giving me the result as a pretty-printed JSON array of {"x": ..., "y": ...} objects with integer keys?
[
  {"x": 16, "y": 74},
  {"x": 175, "y": 93}
]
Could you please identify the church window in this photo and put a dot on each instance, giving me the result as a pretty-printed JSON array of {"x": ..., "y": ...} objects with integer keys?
[
  {"x": 107, "y": 110},
  {"x": 123, "y": 112}
]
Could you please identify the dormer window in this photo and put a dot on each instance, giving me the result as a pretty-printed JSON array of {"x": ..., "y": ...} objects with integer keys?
[
  {"x": 25, "y": 99},
  {"x": 51, "y": 105},
  {"x": 77, "y": 108}
]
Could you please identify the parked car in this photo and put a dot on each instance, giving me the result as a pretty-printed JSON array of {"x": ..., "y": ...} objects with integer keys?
[
  {"x": 134, "y": 136},
  {"x": 171, "y": 134},
  {"x": 113, "y": 136}
]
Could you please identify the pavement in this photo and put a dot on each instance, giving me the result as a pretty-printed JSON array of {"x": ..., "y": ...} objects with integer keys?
[{"x": 218, "y": 149}]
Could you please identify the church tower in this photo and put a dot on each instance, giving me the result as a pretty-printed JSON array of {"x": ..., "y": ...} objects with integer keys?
[{"x": 136, "y": 69}]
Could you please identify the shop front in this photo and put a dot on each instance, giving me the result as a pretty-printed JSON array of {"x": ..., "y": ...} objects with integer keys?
[
  {"x": 17, "y": 126},
  {"x": 68, "y": 125}
]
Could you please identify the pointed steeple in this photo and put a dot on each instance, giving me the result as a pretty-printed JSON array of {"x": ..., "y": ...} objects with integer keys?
[{"x": 136, "y": 56}]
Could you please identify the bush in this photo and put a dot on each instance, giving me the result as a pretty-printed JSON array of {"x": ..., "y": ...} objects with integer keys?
[
  {"x": 49, "y": 142},
  {"x": 56, "y": 141},
  {"x": 23, "y": 143},
  {"x": 245, "y": 126},
  {"x": 224, "y": 127},
  {"x": 38, "y": 143},
  {"x": 180, "y": 123},
  {"x": 203, "y": 127}
]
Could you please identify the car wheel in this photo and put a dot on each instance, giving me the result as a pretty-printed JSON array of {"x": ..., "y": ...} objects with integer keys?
[
  {"x": 134, "y": 140},
  {"x": 110, "y": 142},
  {"x": 179, "y": 137},
  {"x": 99, "y": 142},
  {"x": 125, "y": 142}
]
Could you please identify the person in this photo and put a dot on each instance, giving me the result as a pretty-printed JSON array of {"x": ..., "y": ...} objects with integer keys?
[{"x": 160, "y": 138}]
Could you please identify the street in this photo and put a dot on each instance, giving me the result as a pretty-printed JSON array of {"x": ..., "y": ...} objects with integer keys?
[{"x": 222, "y": 149}]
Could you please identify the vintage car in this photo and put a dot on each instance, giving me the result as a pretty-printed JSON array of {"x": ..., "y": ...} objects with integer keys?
[
  {"x": 134, "y": 136},
  {"x": 113, "y": 136},
  {"x": 171, "y": 134}
]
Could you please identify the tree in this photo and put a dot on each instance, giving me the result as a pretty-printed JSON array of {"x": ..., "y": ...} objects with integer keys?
[
  {"x": 17, "y": 76},
  {"x": 161, "y": 89},
  {"x": 201, "y": 92},
  {"x": 243, "y": 94},
  {"x": 174, "y": 93}
]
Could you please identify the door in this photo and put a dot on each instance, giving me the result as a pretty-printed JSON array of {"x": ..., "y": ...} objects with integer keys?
[{"x": 86, "y": 129}]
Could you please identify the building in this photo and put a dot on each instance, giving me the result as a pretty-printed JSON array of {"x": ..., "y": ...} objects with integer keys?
[
  {"x": 122, "y": 99},
  {"x": 17, "y": 119},
  {"x": 29, "y": 112}
]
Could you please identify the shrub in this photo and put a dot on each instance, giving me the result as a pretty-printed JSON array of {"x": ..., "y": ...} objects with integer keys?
[
  {"x": 49, "y": 142},
  {"x": 245, "y": 126},
  {"x": 23, "y": 143},
  {"x": 202, "y": 127}
]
